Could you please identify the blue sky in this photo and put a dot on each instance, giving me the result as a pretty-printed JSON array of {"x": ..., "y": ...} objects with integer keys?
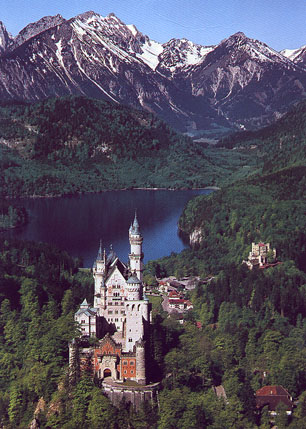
[{"x": 279, "y": 23}]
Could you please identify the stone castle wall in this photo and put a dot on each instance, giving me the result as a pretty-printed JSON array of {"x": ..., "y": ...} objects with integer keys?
[{"x": 136, "y": 395}]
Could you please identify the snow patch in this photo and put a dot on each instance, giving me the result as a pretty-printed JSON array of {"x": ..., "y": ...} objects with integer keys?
[
  {"x": 59, "y": 52},
  {"x": 292, "y": 54},
  {"x": 206, "y": 49},
  {"x": 132, "y": 29},
  {"x": 151, "y": 51}
]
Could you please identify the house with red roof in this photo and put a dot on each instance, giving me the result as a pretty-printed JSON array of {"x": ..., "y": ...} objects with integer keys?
[
  {"x": 180, "y": 304},
  {"x": 173, "y": 294},
  {"x": 272, "y": 396}
]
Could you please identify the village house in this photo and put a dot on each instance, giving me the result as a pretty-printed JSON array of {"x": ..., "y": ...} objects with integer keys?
[
  {"x": 272, "y": 396},
  {"x": 169, "y": 284},
  {"x": 180, "y": 304}
]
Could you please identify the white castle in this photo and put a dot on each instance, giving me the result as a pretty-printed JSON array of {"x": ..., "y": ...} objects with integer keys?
[{"x": 119, "y": 318}]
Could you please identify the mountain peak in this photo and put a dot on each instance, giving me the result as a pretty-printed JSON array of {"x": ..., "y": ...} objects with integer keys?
[
  {"x": 239, "y": 48},
  {"x": 86, "y": 15},
  {"x": 235, "y": 38},
  {"x": 298, "y": 56},
  {"x": 239, "y": 34},
  {"x": 35, "y": 28},
  {"x": 5, "y": 37}
]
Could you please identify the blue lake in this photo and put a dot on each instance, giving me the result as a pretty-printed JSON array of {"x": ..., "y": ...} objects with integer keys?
[{"x": 77, "y": 223}]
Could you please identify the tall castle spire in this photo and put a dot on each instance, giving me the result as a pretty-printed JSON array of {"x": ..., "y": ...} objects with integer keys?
[
  {"x": 99, "y": 257},
  {"x": 99, "y": 271},
  {"x": 134, "y": 228},
  {"x": 136, "y": 255}
]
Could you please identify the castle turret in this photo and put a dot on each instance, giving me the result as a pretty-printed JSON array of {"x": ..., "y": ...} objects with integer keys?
[
  {"x": 136, "y": 255},
  {"x": 99, "y": 271},
  {"x": 134, "y": 288}
]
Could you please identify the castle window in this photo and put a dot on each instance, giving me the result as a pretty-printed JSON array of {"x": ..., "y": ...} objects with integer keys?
[
  {"x": 132, "y": 372},
  {"x": 116, "y": 320},
  {"x": 132, "y": 362},
  {"x": 82, "y": 321},
  {"x": 116, "y": 312},
  {"x": 130, "y": 340},
  {"x": 125, "y": 362},
  {"x": 125, "y": 371},
  {"x": 110, "y": 311}
]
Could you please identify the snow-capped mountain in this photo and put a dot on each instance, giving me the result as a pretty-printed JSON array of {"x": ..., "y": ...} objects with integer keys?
[
  {"x": 246, "y": 80},
  {"x": 179, "y": 53},
  {"x": 99, "y": 57},
  {"x": 239, "y": 81},
  {"x": 298, "y": 56}
]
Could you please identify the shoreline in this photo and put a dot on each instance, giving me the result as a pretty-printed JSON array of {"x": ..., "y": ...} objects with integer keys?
[{"x": 212, "y": 188}]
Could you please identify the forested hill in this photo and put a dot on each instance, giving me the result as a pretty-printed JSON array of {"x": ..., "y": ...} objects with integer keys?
[
  {"x": 266, "y": 206},
  {"x": 269, "y": 208},
  {"x": 279, "y": 145},
  {"x": 79, "y": 128},
  {"x": 77, "y": 144}
]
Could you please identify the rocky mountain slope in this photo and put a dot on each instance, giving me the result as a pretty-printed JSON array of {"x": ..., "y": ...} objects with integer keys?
[
  {"x": 247, "y": 81},
  {"x": 5, "y": 38},
  {"x": 239, "y": 83}
]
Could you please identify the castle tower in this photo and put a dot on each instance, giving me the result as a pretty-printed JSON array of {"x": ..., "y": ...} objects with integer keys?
[
  {"x": 141, "y": 362},
  {"x": 134, "y": 287},
  {"x": 136, "y": 255},
  {"x": 99, "y": 270}
]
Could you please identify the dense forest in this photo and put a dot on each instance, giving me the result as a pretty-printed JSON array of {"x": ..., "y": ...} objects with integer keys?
[
  {"x": 75, "y": 144},
  {"x": 278, "y": 145}
]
